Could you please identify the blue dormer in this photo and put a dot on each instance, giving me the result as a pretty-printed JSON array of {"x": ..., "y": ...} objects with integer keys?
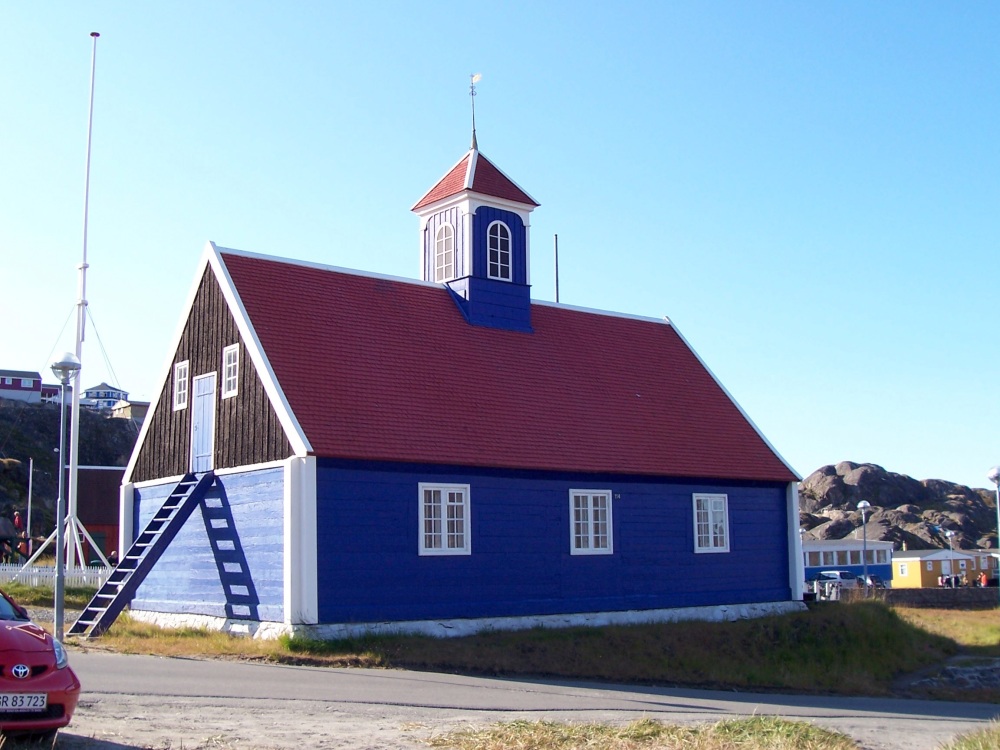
[{"x": 474, "y": 239}]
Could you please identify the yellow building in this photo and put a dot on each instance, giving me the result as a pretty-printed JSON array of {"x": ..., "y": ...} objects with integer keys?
[{"x": 913, "y": 569}]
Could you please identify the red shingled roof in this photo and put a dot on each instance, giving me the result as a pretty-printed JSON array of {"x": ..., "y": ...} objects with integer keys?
[
  {"x": 388, "y": 370},
  {"x": 482, "y": 177}
]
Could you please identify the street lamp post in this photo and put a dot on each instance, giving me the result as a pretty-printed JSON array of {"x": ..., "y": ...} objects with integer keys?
[
  {"x": 951, "y": 546},
  {"x": 863, "y": 506},
  {"x": 994, "y": 476},
  {"x": 64, "y": 369}
]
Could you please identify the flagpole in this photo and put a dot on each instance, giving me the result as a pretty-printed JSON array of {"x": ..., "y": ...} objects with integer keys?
[{"x": 81, "y": 322}]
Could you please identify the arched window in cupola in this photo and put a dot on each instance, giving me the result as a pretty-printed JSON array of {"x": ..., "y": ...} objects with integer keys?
[
  {"x": 498, "y": 244},
  {"x": 444, "y": 253}
]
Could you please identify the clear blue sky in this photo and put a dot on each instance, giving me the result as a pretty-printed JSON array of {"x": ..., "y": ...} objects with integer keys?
[{"x": 808, "y": 190}]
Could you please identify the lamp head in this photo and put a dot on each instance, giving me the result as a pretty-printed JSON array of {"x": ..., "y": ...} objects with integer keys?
[
  {"x": 994, "y": 475},
  {"x": 67, "y": 366},
  {"x": 864, "y": 505}
]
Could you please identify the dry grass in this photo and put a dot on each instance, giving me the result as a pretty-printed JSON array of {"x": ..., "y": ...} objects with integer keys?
[
  {"x": 755, "y": 733},
  {"x": 983, "y": 739},
  {"x": 977, "y": 630},
  {"x": 129, "y": 636}
]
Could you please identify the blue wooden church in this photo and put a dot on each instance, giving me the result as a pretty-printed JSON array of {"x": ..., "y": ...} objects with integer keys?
[{"x": 334, "y": 451}]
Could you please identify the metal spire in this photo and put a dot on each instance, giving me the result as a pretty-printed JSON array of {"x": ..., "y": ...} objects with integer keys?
[{"x": 474, "y": 78}]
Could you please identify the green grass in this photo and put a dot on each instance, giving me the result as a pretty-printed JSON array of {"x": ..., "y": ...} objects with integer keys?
[
  {"x": 847, "y": 649},
  {"x": 76, "y": 597},
  {"x": 855, "y": 649}
]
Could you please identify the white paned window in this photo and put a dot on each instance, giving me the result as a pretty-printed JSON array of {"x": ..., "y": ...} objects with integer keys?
[
  {"x": 444, "y": 253},
  {"x": 26, "y": 382},
  {"x": 903, "y": 570},
  {"x": 711, "y": 523},
  {"x": 444, "y": 519},
  {"x": 498, "y": 242},
  {"x": 590, "y": 522},
  {"x": 930, "y": 565},
  {"x": 181, "y": 385},
  {"x": 882, "y": 556},
  {"x": 230, "y": 370},
  {"x": 855, "y": 557}
]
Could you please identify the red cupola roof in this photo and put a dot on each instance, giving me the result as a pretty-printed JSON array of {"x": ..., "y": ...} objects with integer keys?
[{"x": 477, "y": 174}]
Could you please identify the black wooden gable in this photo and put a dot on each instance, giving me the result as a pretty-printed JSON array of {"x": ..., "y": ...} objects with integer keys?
[{"x": 247, "y": 428}]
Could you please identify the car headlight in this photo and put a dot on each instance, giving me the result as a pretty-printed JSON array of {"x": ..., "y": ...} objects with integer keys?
[{"x": 61, "y": 658}]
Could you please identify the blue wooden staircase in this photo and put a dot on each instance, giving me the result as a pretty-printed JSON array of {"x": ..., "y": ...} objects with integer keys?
[{"x": 120, "y": 588}]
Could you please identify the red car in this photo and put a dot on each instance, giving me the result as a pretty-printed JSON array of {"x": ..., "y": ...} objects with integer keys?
[{"x": 38, "y": 690}]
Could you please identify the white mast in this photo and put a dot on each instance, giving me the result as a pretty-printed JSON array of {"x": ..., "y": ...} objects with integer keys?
[{"x": 73, "y": 546}]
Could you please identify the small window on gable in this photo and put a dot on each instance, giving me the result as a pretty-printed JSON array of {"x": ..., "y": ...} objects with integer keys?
[
  {"x": 444, "y": 253},
  {"x": 903, "y": 571},
  {"x": 590, "y": 522},
  {"x": 230, "y": 370},
  {"x": 180, "y": 385},
  {"x": 444, "y": 519},
  {"x": 930, "y": 565},
  {"x": 498, "y": 244},
  {"x": 711, "y": 523}
]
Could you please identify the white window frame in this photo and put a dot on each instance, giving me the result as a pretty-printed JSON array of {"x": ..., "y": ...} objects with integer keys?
[
  {"x": 444, "y": 253},
  {"x": 589, "y": 532},
  {"x": 501, "y": 266},
  {"x": 706, "y": 538},
  {"x": 447, "y": 523},
  {"x": 182, "y": 385},
  {"x": 230, "y": 370}
]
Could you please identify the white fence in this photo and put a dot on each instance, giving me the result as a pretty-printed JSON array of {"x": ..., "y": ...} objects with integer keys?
[{"x": 44, "y": 575}]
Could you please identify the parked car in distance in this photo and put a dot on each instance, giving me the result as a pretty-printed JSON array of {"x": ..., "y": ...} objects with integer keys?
[
  {"x": 38, "y": 690},
  {"x": 843, "y": 577},
  {"x": 873, "y": 581}
]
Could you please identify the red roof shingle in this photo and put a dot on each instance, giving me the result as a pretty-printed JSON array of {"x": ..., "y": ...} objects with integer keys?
[
  {"x": 486, "y": 179},
  {"x": 388, "y": 370}
]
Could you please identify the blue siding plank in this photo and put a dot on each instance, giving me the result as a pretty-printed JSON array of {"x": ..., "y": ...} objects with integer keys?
[
  {"x": 521, "y": 562},
  {"x": 188, "y": 579}
]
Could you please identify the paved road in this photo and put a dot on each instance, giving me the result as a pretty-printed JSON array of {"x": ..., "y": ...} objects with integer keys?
[{"x": 143, "y": 701}]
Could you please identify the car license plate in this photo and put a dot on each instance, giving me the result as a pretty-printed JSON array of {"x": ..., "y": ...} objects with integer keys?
[{"x": 23, "y": 701}]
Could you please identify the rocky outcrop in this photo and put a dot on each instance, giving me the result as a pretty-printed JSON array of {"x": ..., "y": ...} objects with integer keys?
[{"x": 913, "y": 514}]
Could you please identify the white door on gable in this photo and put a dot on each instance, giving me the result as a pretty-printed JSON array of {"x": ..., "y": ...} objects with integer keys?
[{"x": 203, "y": 423}]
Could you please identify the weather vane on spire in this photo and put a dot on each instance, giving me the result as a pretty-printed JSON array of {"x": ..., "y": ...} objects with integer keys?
[{"x": 474, "y": 78}]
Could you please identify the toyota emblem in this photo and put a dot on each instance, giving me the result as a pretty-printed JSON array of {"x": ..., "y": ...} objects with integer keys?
[{"x": 20, "y": 671}]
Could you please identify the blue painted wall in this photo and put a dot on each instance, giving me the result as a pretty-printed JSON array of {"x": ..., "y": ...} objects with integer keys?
[
  {"x": 486, "y": 215},
  {"x": 247, "y": 551},
  {"x": 370, "y": 570}
]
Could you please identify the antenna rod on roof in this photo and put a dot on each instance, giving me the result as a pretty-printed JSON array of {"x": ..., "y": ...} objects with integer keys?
[
  {"x": 474, "y": 78},
  {"x": 556, "y": 236}
]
